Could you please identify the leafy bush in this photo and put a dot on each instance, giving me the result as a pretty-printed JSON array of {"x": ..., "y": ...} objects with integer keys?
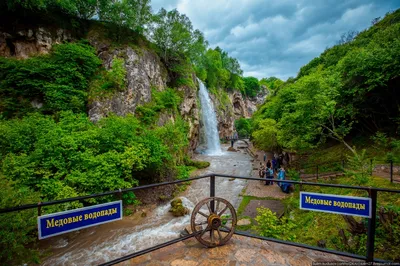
[
  {"x": 71, "y": 156},
  {"x": 360, "y": 167},
  {"x": 243, "y": 126},
  {"x": 17, "y": 229},
  {"x": 168, "y": 100},
  {"x": 265, "y": 137},
  {"x": 269, "y": 225},
  {"x": 59, "y": 80},
  {"x": 251, "y": 86}
]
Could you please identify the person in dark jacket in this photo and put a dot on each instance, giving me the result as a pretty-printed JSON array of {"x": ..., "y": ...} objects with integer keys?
[
  {"x": 269, "y": 174},
  {"x": 274, "y": 164},
  {"x": 269, "y": 164}
]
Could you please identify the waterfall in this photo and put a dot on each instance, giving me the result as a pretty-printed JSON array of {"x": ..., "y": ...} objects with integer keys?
[{"x": 210, "y": 121}]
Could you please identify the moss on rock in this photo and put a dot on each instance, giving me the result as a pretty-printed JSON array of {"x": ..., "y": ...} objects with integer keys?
[{"x": 177, "y": 208}]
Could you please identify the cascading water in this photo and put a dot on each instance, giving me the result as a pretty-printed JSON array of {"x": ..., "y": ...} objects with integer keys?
[{"x": 210, "y": 121}]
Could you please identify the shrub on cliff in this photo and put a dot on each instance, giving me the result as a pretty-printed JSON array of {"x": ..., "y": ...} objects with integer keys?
[{"x": 59, "y": 80}]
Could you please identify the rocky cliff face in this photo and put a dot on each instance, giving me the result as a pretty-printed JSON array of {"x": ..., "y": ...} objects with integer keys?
[
  {"x": 30, "y": 41},
  {"x": 144, "y": 71},
  {"x": 237, "y": 107}
]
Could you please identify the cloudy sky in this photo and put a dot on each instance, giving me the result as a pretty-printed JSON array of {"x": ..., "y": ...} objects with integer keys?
[{"x": 277, "y": 37}]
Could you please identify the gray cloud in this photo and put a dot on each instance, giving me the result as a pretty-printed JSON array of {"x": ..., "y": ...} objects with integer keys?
[{"x": 277, "y": 37}]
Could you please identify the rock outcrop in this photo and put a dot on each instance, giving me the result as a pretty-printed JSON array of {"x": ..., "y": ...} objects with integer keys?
[
  {"x": 31, "y": 41},
  {"x": 144, "y": 71},
  {"x": 238, "y": 107}
]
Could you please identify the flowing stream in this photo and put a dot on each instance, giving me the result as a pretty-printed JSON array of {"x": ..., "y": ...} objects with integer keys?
[
  {"x": 106, "y": 242},
  {"x": 110, "y": 241}
]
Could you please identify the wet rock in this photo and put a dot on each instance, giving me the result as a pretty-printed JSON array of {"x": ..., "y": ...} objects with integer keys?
[
  {"x": 177, "y": 208},
  {"x": 231, "y": 149}
]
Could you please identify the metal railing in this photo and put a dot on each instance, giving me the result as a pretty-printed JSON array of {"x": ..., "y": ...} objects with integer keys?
[
  {"x": 373, "y": 192},
  {"x": 341, "y": 164}
]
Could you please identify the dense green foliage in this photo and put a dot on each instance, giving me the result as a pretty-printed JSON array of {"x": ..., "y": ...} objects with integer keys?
[
  {"x": 243, "y": 127},
  {"x": 312, "y": 227},
  {"x": 269, "y": 225},
  {"x": 272, "y": 83},
  {"x": 16, "y": 228},
  {"x": 349, "y": 89},
  {"x": 174, "y": 35},
  {"x": 60, "y": 80},
  {"x": 251, "y": 86}
]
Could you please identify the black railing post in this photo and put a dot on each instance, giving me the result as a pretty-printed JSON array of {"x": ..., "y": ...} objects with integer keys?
[
  {"x": 317, "y": 171},
  {"x": 371, "y": 227},
  {"x": 39, "y": 209},
  {"x": 212, "y": 191},
  {"x": 391, "y": 171}
]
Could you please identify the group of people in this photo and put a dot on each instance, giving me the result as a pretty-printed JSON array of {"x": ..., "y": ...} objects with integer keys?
[{"x": 268, "y": 171}]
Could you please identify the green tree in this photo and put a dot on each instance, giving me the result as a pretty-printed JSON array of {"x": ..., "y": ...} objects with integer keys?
[
  {"x": 251, "y": 86},
  {"x": 243, "y": 126},
  {"x": 17, "y": 229},
  {"x": 173, "y": 33},
  {"x": 266, "y": 136},
  {"x": 130, "y": 14}
]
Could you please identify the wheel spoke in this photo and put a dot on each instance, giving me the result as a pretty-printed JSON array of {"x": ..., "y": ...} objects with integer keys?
[
  {"x": 209, "y": 208},
  {"x": 202, "y": 223},
  {"x": 227, "y": 219},
  {"x": 204, "y": 231},
  {"x": 226, "y": 207},
  {"x": 219, "y": 234},
  {"x": 212, "y": 235},
  {"x": 201, "y": 213},
  {"x": 216, "y": 210}
]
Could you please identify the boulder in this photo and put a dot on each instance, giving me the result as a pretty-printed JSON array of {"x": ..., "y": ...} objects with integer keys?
[{"x": 177, "y": 208}]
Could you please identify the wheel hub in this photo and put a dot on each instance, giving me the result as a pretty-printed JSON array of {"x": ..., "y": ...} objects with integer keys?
[{"x": 214, "y": 221}]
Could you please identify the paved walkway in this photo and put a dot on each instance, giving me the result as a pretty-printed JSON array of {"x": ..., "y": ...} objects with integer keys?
[
  {"x": 239, "y": 250},
  {"x": 258, "y": 188}
]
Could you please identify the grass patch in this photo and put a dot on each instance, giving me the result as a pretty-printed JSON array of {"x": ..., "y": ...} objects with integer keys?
[{"x": 246, "y": 200}]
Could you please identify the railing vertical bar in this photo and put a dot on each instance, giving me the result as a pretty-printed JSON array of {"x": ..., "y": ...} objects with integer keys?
[
  {"x": 391, "y": 171},
  {"x": 212, "y": 191},
  {"x": 371, "y": 227},
  {"x": 39, "y": 209},
  {"x": 317, "y": 171}
]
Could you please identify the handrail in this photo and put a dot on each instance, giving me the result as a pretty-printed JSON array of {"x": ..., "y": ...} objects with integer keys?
[
  {"x": 371, "y": 224},
  {"x": 47, "y": 203}
]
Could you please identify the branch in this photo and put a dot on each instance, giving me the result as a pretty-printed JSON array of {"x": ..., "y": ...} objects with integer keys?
[{"x": 339, "y": 138}]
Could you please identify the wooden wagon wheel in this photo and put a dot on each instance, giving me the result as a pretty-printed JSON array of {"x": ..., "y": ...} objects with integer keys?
[{"x": 220, "y": 223}]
